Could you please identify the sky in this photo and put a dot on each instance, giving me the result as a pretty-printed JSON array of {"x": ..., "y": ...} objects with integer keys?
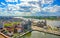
[{"x": 29, "y": 7}]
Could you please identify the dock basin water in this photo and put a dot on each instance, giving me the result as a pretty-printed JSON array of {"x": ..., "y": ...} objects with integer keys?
[{"x": 37, "y": 34}]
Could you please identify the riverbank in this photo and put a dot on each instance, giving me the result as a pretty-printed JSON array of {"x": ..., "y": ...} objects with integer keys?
[
  {"x": 35, "y": 28},
  {"x": 20, "y": 35},
  {"x": 3, "y": 35},
  {"x": 25, "y": 33}
]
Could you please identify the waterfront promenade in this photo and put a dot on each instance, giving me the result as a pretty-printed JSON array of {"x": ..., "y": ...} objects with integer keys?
[{"x": 45, "y": 30}]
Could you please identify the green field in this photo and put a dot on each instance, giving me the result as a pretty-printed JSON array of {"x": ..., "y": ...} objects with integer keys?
[{"x": 10, "y": 24}]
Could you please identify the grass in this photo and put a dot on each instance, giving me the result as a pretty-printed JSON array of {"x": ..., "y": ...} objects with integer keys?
[{"x": 10, "y": 24}]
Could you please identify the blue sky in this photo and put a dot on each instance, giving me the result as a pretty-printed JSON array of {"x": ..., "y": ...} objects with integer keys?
[{"x": 29, "y": 8}]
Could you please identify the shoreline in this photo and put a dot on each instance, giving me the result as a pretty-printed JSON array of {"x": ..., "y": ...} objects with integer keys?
[{"x": 47, "y": 31}]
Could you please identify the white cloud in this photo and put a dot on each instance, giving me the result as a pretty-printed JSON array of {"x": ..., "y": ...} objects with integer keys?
[
  {"x": 53, "y": 9},
  {"x": 17, "y": 13},
  {"x": 24, "y": 4},
  {"x": 47, "y": 1},
  {"x": 5, "y": 13},
  {"x": 28, "y": 0},
  {"x": 12, "y": 7},
  {"x": 3, "y": 3},
  {"x": 33, "y": 8},
  {"x": 42, "y": 1},
  {"x": 0, "y": 9},
  {"x": 11, "y": 0}
]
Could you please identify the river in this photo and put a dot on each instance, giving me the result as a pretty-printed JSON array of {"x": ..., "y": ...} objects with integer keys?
[{"x": 36, "y": 34}]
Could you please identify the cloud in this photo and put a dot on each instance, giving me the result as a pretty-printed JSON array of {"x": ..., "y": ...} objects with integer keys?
[
  {"x": 30, "y": 8},
  {"x": 11, "y": 0},
  {"x": 16, "y": 10},
  {"x": 23, "y": 7},
  {"x": 4, "y": 13},
  {"x": 52, "y": 9},
  {"x": 3, "y": 3},
  {"x": 2, "y": 9},
  {"x": 47, "y": 1},
  {"x": 28, "y": 0},
  {"x": 12, "y": 7}
]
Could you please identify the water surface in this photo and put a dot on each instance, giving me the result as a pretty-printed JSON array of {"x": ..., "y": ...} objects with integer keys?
[{"x": 36, "y": 34}]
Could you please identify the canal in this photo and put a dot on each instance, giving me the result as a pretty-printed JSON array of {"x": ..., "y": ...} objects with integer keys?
[{"x": 36, "y": 34}]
